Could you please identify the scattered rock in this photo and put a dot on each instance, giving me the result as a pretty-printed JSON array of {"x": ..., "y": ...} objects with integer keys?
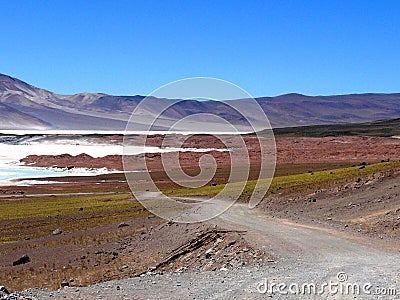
[
  {"x": 209, "y": 251},
  {"x": 64, "y": 283},
  {"x": 231, "y": 243},
  {"x": 22, "y": 260},
  {"x": 120, "y": 225},
  {"x": 181, "y": 269},
  {"x": 123, "y": 268},
  {"x": 57, "y": 232},
  {"x": 3, "y": 292}
]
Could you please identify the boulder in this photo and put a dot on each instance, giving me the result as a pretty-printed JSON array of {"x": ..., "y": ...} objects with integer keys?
[
  {"x": 123, "y": 225},
  {"x": 22, "y": 260},
  {"x": 3, "y": 291},
  {"x": 57, "y": 232},
  {"x": 64, "y": 283}
]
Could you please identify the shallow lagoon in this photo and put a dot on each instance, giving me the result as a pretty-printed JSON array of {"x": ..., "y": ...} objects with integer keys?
[{"x": 10, "y": 173}]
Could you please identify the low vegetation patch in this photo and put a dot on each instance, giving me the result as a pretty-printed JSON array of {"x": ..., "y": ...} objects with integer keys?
[
  {"x": 24, "y": 218},
  {"x": 308, "y": 180}
]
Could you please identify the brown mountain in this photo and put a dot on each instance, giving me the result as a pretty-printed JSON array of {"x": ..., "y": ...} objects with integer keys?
[{"x": 23, "y": 106}]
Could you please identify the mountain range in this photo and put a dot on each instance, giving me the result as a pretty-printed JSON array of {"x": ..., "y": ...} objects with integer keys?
[{"x": 23, "y": 106}]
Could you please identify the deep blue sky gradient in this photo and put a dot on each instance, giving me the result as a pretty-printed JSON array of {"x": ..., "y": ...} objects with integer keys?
[{"x": 266, "y": 47}]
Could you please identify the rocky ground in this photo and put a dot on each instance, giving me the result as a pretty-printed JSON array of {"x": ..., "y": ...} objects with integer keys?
[
  {"x": 369, "y": 205},
  {"x": 123, "y": 250}
]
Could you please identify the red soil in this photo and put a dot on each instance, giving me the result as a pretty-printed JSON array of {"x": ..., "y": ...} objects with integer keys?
[{"x": 289, "y": 151}]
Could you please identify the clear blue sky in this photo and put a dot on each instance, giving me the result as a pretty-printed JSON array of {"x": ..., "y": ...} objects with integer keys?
[{"x": 266, "y": 47}]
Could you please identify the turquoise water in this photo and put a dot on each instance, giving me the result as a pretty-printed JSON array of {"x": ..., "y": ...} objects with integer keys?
[{"x": 15, "y": 173}]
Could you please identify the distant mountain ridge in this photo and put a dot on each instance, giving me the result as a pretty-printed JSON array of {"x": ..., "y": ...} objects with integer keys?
[{"x": 23, "y": 106}]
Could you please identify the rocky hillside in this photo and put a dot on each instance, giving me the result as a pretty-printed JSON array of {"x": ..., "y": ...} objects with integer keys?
[{"x": 23, "y": 106}]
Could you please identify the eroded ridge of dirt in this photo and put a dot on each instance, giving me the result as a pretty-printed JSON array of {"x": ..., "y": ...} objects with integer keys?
[
  {"x": 111, "y": 162},
  {"x": 211, "y": 250},
  {"x": 289, "y": 151}
]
